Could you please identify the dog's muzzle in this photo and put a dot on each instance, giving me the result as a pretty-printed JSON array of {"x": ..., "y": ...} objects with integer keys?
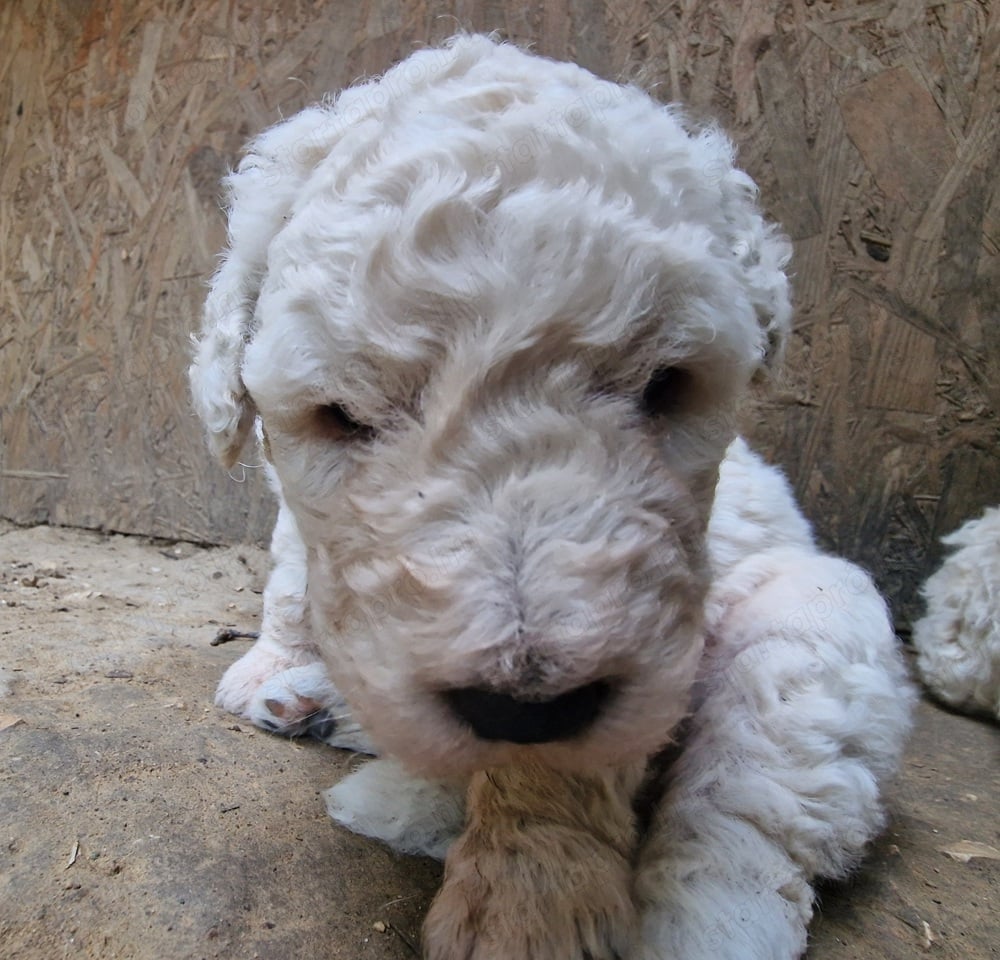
[{"x": 500, "y": 716}]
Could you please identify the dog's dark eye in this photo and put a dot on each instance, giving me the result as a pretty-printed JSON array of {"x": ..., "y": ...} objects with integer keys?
[
  {"x": 668, "y": 390},
  {"x": 335, "y": 421}
]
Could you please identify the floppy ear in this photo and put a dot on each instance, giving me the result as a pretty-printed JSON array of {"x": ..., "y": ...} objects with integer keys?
[
  {"x": 217, "y": 389},
  {"x": 260, "y": 195},
  {"x": 763, "y": 253}
]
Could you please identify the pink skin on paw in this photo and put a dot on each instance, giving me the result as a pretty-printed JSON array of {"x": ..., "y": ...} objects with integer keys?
[{"x": 243, "y": 678}]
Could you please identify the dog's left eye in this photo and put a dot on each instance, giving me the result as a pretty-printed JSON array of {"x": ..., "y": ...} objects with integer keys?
[
  {"x": 336, "y": 422},
  {"x": 668, "y": 391}
]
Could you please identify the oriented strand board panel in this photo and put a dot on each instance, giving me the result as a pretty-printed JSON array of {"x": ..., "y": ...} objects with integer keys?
[{"x": 872, "y": 129}]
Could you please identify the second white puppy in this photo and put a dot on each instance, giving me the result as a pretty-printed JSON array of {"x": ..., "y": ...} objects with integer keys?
[{"x": 958, "y": 638}]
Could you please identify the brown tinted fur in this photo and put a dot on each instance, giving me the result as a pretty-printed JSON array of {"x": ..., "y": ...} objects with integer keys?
[{"x": 534, "y": 840}]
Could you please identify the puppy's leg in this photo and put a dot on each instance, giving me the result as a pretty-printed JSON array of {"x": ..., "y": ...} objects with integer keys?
[
  {"x": 543, "y": 869},
  {"x": 804, "y": 708},
  {"x": 280, "y": 684},
  {"x": 383, "y": 800},
  {"x": 284, "y": 637}
]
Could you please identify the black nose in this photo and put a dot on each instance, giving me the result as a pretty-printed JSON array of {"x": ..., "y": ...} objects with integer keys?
[{"x": 499, "y": 716}]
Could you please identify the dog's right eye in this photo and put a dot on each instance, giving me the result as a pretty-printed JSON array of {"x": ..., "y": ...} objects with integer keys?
[
  {"x": 668, "y": 391},
  {"x": 338, "y": 424}
]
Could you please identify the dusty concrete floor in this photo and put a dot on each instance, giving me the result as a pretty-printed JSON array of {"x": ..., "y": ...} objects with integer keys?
[{"x": 138, "y": 821}]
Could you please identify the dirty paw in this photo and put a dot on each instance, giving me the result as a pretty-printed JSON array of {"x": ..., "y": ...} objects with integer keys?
[
  {"x": 241, "y": 681},
  {"x": 518, "y": 886},
  {"x": 512, "y": 904},
  {"x": 302, "y": 702}
]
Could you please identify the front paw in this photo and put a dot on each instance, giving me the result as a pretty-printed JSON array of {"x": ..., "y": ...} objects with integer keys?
[
  {"x": 521, "y": 888},
  {"x": 303, "y": 702},
  {"x": 412, "y": 815},
  {"x": 245, "y": 676}
]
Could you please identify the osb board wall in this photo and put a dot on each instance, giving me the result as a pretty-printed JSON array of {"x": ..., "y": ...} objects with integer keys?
[{"x": 872, "y": 128}]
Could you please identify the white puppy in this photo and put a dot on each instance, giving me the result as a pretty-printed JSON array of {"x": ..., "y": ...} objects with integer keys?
[
  {"x": 494, "y": 316},
  {"x": 958, "y": 638}
]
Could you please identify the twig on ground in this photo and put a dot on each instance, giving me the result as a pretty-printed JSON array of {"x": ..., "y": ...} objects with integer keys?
[{"x": 232, "y": 633}]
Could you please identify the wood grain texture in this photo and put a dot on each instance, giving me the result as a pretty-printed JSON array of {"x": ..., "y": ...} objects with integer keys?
[{"x": 872, "y": 129}]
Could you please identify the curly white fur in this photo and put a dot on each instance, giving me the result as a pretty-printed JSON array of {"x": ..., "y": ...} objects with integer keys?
[
  {"x": 958, "y": 639},
  {"x": 448, "y": 296}
]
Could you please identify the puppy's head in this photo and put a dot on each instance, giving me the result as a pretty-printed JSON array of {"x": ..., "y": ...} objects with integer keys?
[{"x": 494, "y": 315}]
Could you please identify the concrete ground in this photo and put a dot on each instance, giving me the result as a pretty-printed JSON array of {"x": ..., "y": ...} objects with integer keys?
[{"x": 139, "y": 821}]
